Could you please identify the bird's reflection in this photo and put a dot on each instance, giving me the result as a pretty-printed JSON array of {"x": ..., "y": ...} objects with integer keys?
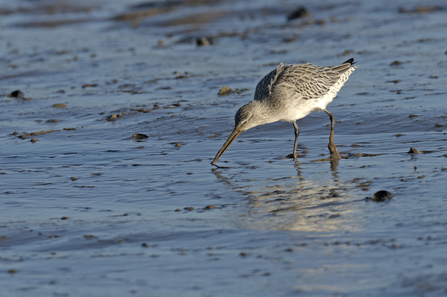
[{"x": 307, "y": 201}]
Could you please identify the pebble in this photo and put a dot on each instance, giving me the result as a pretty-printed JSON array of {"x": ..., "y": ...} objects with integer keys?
[
  {"x": 140, "y": 136},
  {"x": 300, "y": 12},
  {"x": 204, "y": 41},
  {"x": 33, "y": 140},
  {"x": 225, "y": 90},
  {"x": 16, "y": 94},
  {"x": 59, "y": 105},
  {"x": 396, "y": 63},
  {"x": 64, "y": 218},
  {"x": 209, "y": 207},
  {"x": 189, "y": 208},
  {"x": 413, "y": 151},
  {"x": 89, "y": 86},
  {"x": 381, "y": 196}
]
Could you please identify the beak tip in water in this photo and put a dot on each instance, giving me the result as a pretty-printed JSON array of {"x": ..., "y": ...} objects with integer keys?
[{"x": 227, "y": 143}]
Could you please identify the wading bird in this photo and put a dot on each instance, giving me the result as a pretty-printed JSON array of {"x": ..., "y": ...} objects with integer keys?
[{"x": 289, "y": 93}]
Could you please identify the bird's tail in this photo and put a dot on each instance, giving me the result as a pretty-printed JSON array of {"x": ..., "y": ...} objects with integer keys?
[{"x": 350, "y": 61}]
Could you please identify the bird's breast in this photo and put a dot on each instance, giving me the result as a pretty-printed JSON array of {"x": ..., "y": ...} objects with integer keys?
[{"x": 297, "y": 108}]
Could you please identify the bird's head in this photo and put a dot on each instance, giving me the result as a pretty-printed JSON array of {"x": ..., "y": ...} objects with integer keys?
[{"x": 248, "y": 116}]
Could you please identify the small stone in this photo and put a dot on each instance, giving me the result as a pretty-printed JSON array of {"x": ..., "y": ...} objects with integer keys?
[
  {"x": 89, "y": 236},
  {"x": 243, "y": 254},
  {"x": 177, "y": 210},
  {"x": 204, "y": 41},
  {"x": 178, "y": 144},
  {"x": 225, "y": 90},
  {"x": 381, "y": 196},
  {"x": 209, "y": 207},
  {"x": 189, "y": 208},
  {"x": 89, "y": 86},
  {"x": 320, "y": 22},
  {"x": 16, "y": 94},
  {"x": 140, "y": 136},
  {"x": 333, "y": 194},
  {"x": 413, "y": 116},
  {"x": 64, "y": 218},
  {"x": 300, "y": 12},
  {"x": 289, "y": 39},
  {"x": 59, "y": 105},
  {"x": 73, "y": 178},
  {"x": 12, "y": 271},
  {"x": 396, "y": 63},
  {"x": 145, "y": 245},
  {"x": 33, "y": 140},
  {"x": 413, "y": 151}
]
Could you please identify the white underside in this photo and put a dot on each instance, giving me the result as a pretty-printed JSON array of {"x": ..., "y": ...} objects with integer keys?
[{"x": 297, "y": 108}]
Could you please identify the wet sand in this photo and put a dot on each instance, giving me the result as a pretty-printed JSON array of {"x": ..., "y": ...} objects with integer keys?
[{"x": 106, "y": 187}]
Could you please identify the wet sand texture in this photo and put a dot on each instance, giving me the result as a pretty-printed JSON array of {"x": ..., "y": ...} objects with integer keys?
[{"x": 111, "y": 112}]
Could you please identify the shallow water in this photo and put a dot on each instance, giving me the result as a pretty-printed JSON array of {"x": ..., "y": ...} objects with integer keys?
[{"x": 91, "y": 211}]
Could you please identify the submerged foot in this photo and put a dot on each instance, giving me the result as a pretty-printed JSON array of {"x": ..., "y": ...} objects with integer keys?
[{"x": 334, "y": 153}]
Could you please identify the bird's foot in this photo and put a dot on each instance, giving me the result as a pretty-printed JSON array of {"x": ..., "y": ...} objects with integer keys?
[
  {"x": 335, "y": 156},
  {"x": 334, "y": 153},
  {"x": 294, "y": 156}
]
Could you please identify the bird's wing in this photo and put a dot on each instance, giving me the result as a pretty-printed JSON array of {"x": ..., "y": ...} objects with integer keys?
[
  {"x": 309, "y": 81},
  {"x": 264, "y": 86}
]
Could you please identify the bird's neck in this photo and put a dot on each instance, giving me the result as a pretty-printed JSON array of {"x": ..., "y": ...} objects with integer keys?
[{"x": 265, "y": 112}]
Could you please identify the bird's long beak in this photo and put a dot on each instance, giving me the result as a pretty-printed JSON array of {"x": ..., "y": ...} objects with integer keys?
[{"x": 227, "y": 143}]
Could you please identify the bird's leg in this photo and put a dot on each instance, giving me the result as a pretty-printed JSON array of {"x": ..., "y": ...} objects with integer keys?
[
  {"x": 297, "y": 133},
  {"x": 332, "y": 147}
]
